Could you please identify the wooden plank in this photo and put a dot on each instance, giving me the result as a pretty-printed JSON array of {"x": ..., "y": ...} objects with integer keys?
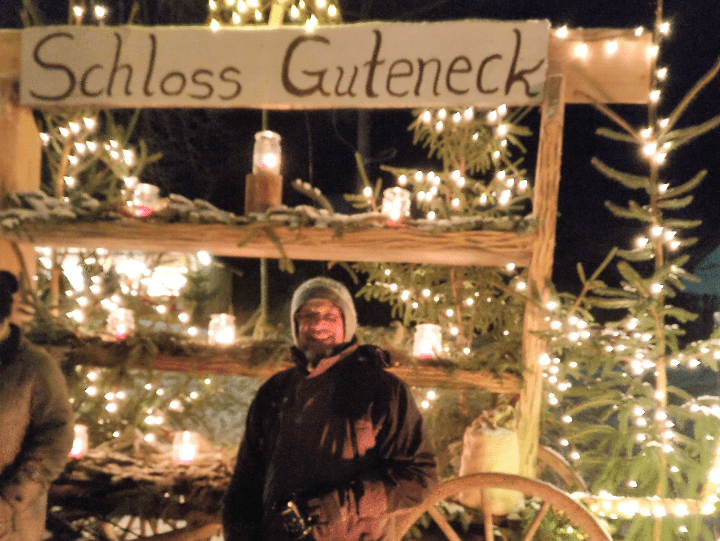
[
  {"x": 603, "y": 73},
  {"x": 396, "y": 245},
  {"x": 20, "y": 161},
  {"x": 621, "y": 77},
  {"x": 231, "y": 364},
  {"x": 545, "y": 204},
  {"x": 10, "y": 54}
]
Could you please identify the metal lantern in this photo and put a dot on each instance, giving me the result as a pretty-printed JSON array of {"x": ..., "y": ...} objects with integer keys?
[
  {"x": 396, "y": 203},
  {"x": 428, "y": 340},
  {"x": 221, "y": 329}
]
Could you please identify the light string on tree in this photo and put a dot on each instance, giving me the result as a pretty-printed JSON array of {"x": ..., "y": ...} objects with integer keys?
[
  {"x": 102, "y": 282},
  {"x": 634, "y": 342},
  {"x": 308, "y": 13}
]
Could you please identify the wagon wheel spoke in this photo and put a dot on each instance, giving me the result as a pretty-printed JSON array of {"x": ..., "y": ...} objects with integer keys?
[
  {"x": 548, "y": 498},
  {"x": 443, "y": 524},
  {"x": 536, "y": 521}
]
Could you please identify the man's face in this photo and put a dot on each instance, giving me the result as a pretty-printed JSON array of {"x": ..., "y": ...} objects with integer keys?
[{"x": 320, "y": 327}]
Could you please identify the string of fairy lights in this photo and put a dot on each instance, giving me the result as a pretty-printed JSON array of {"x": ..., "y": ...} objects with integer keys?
[
  {"x": 310, "y": 13},
  {"x": 635, "y": 345},
  {"x": 432, "y": 191}
]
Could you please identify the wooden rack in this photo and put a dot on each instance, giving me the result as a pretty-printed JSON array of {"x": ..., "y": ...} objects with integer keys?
[{"x": 571, "y": 78}]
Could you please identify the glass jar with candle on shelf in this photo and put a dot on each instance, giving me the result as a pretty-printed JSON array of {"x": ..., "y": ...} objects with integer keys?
[
  {"x": 396, "y": 203},
  {"x": 80, "y": 442},
  {"x": 427, "y": 341},
  {"x": 221, "y": 330},
  {"x": 146, "y": 198},
  {"x": 121, "y": 323},
  {"x": 186, "y": 445},
  {"x": 266, "y": 152}
]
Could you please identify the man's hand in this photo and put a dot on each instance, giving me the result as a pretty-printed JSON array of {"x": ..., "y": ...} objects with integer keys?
[
  {"x": 6, "y": 518},
  {"x": 326, "y": 511},
  {"x": 19, "y": 495}
]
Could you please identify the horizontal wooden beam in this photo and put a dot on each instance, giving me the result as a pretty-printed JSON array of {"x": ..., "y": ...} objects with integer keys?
[
  {"x": 393, "y": 245},
  {"x": 602, "y": 73},
  {"x": 237, "y": 363},
  {"x": 602, "y": 64},
  {"x": 10, "y": 54}
]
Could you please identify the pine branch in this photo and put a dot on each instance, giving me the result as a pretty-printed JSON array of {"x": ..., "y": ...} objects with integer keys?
[{"x": 690, "y": 96}]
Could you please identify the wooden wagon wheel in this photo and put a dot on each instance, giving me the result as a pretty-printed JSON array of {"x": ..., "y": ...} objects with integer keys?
[
  {"x": 550, "y": 497},
  {"x": 551, "y": 462}
]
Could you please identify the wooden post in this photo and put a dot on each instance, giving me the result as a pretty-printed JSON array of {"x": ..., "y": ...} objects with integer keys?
[
  {"x": 263, "y": 190},
  {"x": 545, "y": 201},
  {"x": 20, "y": 158}
]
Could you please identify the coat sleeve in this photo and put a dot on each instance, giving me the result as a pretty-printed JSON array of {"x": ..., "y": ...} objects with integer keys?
[
  {"x": 242, "y": 504},
  {"x": 400, "y": 473},
  {"x": 408, "y": 469},
  {"x": 49, "y": 435}
]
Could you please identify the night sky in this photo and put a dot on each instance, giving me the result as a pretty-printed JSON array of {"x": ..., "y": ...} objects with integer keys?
[{"x": 207, "y": 153}]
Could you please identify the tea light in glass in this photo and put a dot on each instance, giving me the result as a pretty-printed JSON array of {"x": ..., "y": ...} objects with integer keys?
[
  {"x": 185, "y": 446},
  {"x": 396, "y": 203},
  {"x": 120, "y": 323},
  {"x": 266, "y": 152},
  {"x": 428, "y": 340},
  {"x": 80, "y": 442},
  {"x": 145, "y": 199},
  {"x": 221, "y": 329}
]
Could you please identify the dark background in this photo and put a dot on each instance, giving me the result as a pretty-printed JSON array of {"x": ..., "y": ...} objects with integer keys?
[{"x": 207, "y": 153}]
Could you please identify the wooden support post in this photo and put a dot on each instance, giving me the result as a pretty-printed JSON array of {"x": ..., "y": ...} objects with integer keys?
[
  {"x": 545, "y": 201},
  {"x": 20, "y": 158}
]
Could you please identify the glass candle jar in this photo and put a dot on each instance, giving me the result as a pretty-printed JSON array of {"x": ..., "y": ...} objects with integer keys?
[
  {"x": 396, "y": 203},
  {"x": 121, "y": 322},
  {"x": 428, "y": 340},
  {"x": 80, "y": 442},
  {"x": 266, "y": 152},
  {"x": 145, "y": 199},
  {"x": 186, "y": 445},
  {"x": 221, "y": 330}
]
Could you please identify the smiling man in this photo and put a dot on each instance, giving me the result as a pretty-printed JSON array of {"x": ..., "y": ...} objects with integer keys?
[{"x": 332, "y": 446}]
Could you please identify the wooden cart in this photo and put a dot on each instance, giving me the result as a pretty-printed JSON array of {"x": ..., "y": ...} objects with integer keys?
[{"x": 620, "y": 78}]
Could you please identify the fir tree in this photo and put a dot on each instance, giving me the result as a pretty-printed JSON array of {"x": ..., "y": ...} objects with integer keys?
[{"x": 628, "y": 431}]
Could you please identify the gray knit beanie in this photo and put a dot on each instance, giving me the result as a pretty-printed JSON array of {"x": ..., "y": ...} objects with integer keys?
[{"x": 332, "y": 290}]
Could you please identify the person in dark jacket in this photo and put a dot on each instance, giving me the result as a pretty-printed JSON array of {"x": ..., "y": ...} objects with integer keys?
[
  {"x": 333, "y": 446},
  {"x": 36, "y": 426}
]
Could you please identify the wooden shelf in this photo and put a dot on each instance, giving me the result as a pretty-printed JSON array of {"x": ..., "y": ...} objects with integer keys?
[
  {"x": 390, "y": 244},
  {"x": 238, "y": 363}
]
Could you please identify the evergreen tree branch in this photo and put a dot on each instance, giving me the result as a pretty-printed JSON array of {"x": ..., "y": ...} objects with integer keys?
[
  {"x": 587, "y": 284},
  {"x": 702, "y": 82},
  {"x": 612, "y": 115}
]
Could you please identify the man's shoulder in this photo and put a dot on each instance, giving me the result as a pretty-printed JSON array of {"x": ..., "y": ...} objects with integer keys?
[
  {"x": 280, "y": 380},
  {"x": 375, "y": 356}
]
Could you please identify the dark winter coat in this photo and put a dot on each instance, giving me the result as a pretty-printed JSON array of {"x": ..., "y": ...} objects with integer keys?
[
  {"x": 36, "y": 434},
  {"x": 346, "y": 441}
]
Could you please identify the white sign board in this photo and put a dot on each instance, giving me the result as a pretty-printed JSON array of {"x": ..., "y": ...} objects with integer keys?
[{"x": 366, "y": 65}]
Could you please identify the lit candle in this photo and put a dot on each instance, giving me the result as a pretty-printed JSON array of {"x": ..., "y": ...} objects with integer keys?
[
  {"x": 221, "y": 329},
  {"x": 266, "y": 152},
  {"x": 120, "y": 323},
  {"x": 396, "y": 203},
  {"x": 185, "y": 446},
  {"x": 428, "y": 340},
  {"x": 145, "y": 199},
  {"x": 80, "y": 443}
]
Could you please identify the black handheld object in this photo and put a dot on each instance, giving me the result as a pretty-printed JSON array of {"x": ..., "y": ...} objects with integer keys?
[
  {"x": 8, "y": 286},
  {"x": 296, "y": 523}
]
